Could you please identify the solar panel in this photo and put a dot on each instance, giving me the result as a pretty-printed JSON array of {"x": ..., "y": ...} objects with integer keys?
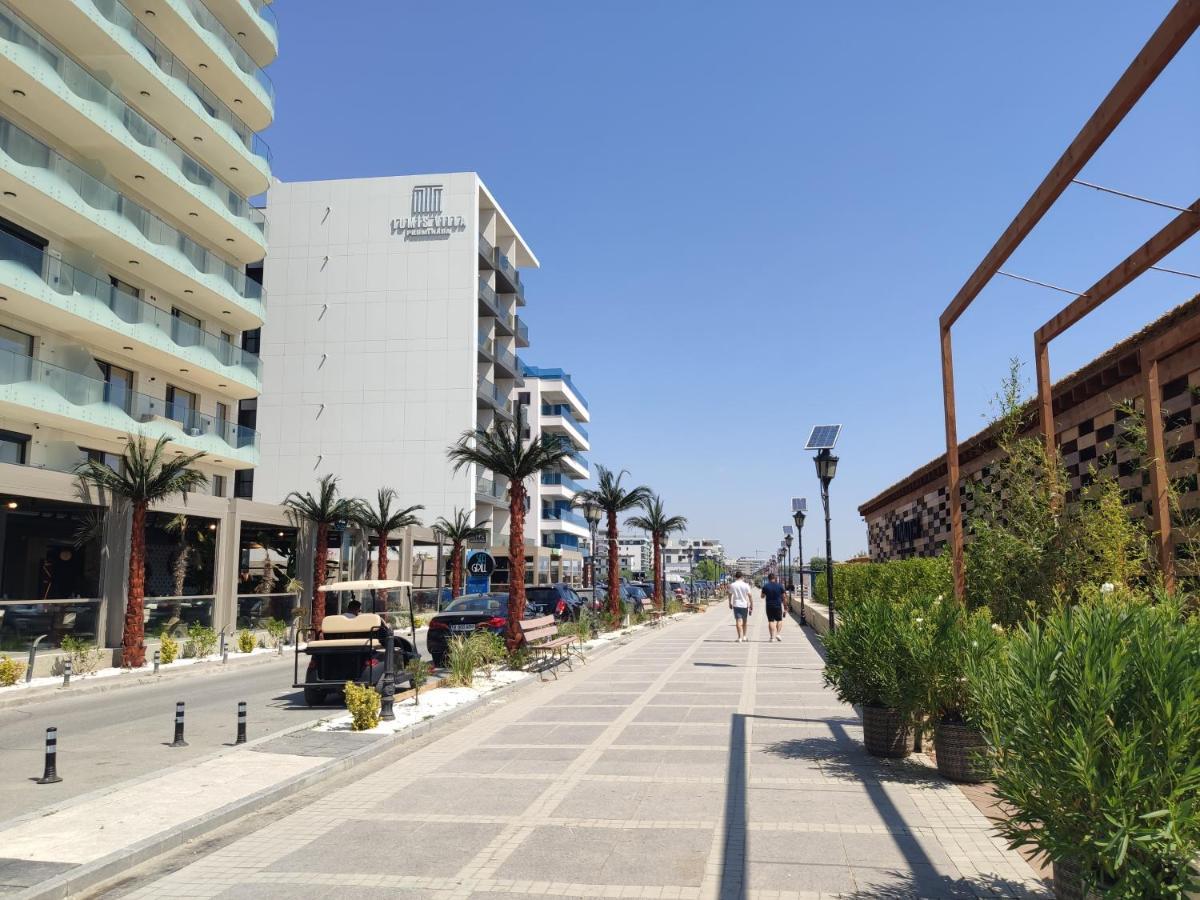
[
  {"x": 787, "y": 529},
  {"x": 799, "y": 504},
  {"x": 823, "y": 437}
]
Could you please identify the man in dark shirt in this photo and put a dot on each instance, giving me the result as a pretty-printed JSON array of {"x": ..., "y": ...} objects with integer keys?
[{"x": 773, "y": 594}]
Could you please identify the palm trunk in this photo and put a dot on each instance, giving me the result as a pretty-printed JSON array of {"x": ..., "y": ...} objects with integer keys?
[
  {"x": 456, "y": 570},
  {"x": 659, "y": 597},
  {"x": 516, "y": 564},
  {"x": 319, "y": 560},
  {"x": 133, "y": 644},
  {"x": 381, "y": 570},
  {"x": 614, "y": 568}
]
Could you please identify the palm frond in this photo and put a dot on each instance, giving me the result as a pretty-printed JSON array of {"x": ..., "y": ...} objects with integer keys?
[
  {"x": 382, "y": 517},
  {"x": 324, "y": 507},
  {"x": 502, "y": 450},
  {"x": 459, "y": 530},
  {"x": 144, "y": 476},
  {"x": 610, "y": 496}
]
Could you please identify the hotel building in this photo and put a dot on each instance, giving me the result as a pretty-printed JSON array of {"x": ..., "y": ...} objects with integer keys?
[{"x": 129, "y": 293}]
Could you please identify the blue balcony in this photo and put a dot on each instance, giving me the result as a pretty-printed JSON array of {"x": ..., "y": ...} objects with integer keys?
[
  {"x": 561, "y": 480},
  {"x": 559, "y": 375},
  {"x": 560, "y": 540},
  {"x": 564, "y": 412},
  {"x": 564, "y": 515}
]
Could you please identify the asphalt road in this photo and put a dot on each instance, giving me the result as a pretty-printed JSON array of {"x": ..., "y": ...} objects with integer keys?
[{"x": 106, "y": 738}]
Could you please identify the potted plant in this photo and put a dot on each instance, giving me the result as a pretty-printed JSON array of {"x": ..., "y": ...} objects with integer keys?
[
  {"x": 870, "y": 663},
  {"x": 1093, "y": 719}
]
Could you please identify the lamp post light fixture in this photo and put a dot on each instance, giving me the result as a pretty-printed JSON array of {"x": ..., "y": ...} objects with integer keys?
[
  {"x": 826, "y": 464},
  {"x": 798, "y": 518},
  {"x": 592, "y": 513},
  {"x": 790, "y": 574}
]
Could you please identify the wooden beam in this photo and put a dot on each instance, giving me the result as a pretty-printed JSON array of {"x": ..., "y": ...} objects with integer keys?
[
  {"x": 1166, "y": 241},
  {"x": 1160, "y": 512},
  {"x": 1041, "y": 356},
  {"x": 1179, "y": 25},
  {"x": 957, "y": 541}
]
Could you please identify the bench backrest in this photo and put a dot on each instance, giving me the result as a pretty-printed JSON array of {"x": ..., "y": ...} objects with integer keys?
[
  {"x": 342, "y": 627},
  {"x": 536, "y": 631}
]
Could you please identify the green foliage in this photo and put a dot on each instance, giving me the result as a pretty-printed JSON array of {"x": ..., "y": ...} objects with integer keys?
[
  {"x": 900, "y": 579},
  {"x": 202, "y": 640},
  {"x": 418, "y": 673},
  {"x": 11, "y": 671},
  {"x": 276, "y": 631},
  {"x": 708, "y": 570},
  {"x": 943, "y": 641},
  {"x": 168, "y": 648},
  {"x": 584, "y": 628},
  {"x": 674, "y": 606},
  {"x": 462, "y": 658},
  {"x": 490, "y": 651},
  {"x": 872, "y": 657},
  {"x": 246, "y": 641},
  {"x": 518, "y": 659},
  {"x": 364, "y": 704},
  {"x": 1093, "y": 715},
  {"x": 85, "y": 657}
]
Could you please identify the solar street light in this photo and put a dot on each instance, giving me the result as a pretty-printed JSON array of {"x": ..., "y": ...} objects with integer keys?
[{"x": 823, "y": 439}]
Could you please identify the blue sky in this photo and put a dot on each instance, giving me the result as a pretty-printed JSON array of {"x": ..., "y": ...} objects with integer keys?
[{"x": 750, "y": 214}]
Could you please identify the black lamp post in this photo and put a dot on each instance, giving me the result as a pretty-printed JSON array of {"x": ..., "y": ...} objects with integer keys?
[
  {"x": 387, "y": 684},
  {"x": 798, "y": 518},
  {"x": 790, "y": 575},
  {"x": 826, "y": 468},
  {"x": 592, "y": 512}
]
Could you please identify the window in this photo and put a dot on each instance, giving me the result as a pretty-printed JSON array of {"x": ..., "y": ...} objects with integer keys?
[
  {"x": 118, "y": 385},
  {"x": 16, "y": 342},
  {"x": 124, "y": 286},
  {"x": 14, "y": 448},
  {"x": 114, "y": 461},
  {"x": 227, "y": 337},
  {"x": 218, "y": 485},
  {"x": 186, "y": 328},
  {"x": 22, "y": 246},
  {"x": 181, "y": 406}
]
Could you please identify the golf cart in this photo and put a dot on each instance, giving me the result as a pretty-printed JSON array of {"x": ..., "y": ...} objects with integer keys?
[{"x": 354, "y": 646}]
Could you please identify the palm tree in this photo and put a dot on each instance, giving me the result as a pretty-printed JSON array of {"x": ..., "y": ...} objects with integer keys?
[
  {"x": 654, "y": 520},
  {"x": 323, "y": 510},
  {"x": 614, "y": 500},
  {"x": 459, "y": 531},
  {"x": 381, "y": 520},
  {"x": 143, "y": 479},
  {"x": 502, "y": 450}
]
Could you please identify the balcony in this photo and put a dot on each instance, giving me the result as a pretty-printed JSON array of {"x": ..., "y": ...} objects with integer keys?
[
  {"x": 559, "y": 416},
  {"x": 574, "y": 462},
  {"x": 254, "y": 22},
  {"x": 229, "y": 71},
  {"x": 47, "y": 188},
  {"x": 107, "y": 39},
  {"x": 80, "y": 403},
  {"x": 486, "y": 252},
  {"x": 567, "y": 393},
  {"x": 494, "y": 397},
  {"x": 489, "y": 303},
  {"x": 508, "y": 278},
  {"x": 489, "y": 490},
  {"x": 522, "y": 332},
  {"x": 564, "y": 515},
  {"x": 507, "y": 361},
  {"x": 85, "y": 115},
  {"x": 42, "y": 288},
  {"x": 559, "y": 481}
]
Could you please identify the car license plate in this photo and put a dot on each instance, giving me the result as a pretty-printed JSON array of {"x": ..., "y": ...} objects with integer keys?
[{"x": 467, "y": 627}]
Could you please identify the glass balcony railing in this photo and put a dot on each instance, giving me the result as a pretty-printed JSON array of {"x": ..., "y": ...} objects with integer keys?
[
  {"x": 493, "y": 395},
  {"x": 488, "y": 296},
  {"x": 564, "y": 515},
  {"x": 86, "y": 392},
  {"x": 267, "y": 14},
  {"x": 82, "y": 84},
  {"x": 556, "y": 375},
  {"x": 508, "y": 272},
  {"x": 579, "y": 458},
  {"x": 68, "y": 281},
  {"x": 564, "y": 411},
  {"x": 561, "y": 480},
  {"x": 27, "y": 150},
  {"x": 206, "y": 20},
  {"x": 488, "y": 487},
  {"x": 522, "y": 332},
  {"x": 509, "y": 361},
  {"x": 117, "y": 13},
  {"x": 486, "y": 251}
]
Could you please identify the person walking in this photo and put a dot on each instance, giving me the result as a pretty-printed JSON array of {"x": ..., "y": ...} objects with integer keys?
[
  {"x": 773, "y": 593},
  {"x": 741, "y": 601}
]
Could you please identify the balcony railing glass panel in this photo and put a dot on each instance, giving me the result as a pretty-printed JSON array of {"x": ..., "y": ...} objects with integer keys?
[
  {"x": 558, "y": 478},
  {"x": 561, "y": 409},
  {"x": 556, "y": 375},
  {"x": 206, "y": 20},
  {"x": 267, "y": 14},
  {"x": 488, "y": 487},
  {"x": 564, "y": 515},
  {"x": 27, "y": 150}
]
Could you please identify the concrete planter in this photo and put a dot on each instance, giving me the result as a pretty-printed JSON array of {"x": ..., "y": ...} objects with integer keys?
[
  {"x": 961, "y": 753},
  {"x": 887, "y": 732}
]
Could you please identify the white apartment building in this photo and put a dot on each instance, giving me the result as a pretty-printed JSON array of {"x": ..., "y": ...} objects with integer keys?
[
  {"x": 681, "y": 554},
  {"x": 128, "y": 256},
  {"x": 395, "y": 328},
  {"x": 636, "y": 555}
]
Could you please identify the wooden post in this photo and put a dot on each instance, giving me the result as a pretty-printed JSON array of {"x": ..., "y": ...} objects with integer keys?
[
  {"x": 1045, "y": 406},
  {"x": 1160, "y": 513},
  {"x": 952, "y": 474}
]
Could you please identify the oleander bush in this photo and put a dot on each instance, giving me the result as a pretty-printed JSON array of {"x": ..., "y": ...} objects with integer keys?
[
  {"x": 11, "y": 671},
  {"x": 168, "y": 648},
  {"x": 246, "y": 641},
  {"x": 1093, "y": 717},
  {"x": 900, "y": 579},
  {"x": 364, "y": 704}
]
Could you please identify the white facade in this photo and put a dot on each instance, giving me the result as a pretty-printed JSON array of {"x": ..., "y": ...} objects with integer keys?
[
  {"x": 551, "y": 405},
  {"x": 637, "y": 554},
  {"x": 681, "y": 554},
  {"x": 394, "y": 329}
]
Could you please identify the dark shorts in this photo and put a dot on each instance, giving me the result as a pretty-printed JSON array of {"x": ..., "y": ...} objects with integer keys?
[
  {"x": 774, "y": 612},
  {"x": 740, "y": 613}
]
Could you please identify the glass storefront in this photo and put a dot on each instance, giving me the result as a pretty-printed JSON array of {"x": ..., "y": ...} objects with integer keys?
[{"x": 266, "y": 565}]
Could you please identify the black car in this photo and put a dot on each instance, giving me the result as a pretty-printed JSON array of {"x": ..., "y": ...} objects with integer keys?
[
  {"x": 558, "y": 600},
  {"x": 465, "y": 616}
]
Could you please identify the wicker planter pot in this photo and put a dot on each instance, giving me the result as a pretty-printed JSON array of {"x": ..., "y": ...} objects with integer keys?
[
  {"x": 887, "y": 733},
  {"x": 1068, "y": 883},
  {"x": 961, "y": 753}
]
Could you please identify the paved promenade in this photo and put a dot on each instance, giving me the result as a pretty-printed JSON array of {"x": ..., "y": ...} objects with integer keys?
[{"x": 683, "y": 765}]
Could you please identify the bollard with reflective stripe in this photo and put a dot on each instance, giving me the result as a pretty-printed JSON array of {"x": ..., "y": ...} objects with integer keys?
[
  {"x": 50, "y": 772},
  {"x": 157, "y": 660},
  {"x": 241, "y": 732},
  {"x": 179, "y": 741},
  {"x": 66, "y": 673}
]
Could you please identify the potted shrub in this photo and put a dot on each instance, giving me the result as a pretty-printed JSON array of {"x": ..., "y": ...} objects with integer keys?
[
  {"x": 869, "y": 662},
  {"x": 1093, "y": 717}
]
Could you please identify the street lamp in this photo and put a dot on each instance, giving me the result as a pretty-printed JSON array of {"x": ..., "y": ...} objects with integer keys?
[
  {"x": 798, "y": 518},
  {"x": 790, "y": 577},
  {"x": 592, "y": 512},
  {"x": 826, "y": 464}
]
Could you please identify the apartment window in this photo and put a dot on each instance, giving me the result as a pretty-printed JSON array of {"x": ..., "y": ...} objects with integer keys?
[
  {"x": 16, "y": 342},
  {"x": 187, "y": 332},
  {"x": 227, "y": 337},
  {"x": 243, "y": 484},
  {"x": 181, "y": 405},
  {"x": 252, "y": 340},
  {"x": 118, "y": 385},
  {"x": 14, "y": 448},
  {"x": 22, "y": 246},
  {"x": 124, "y": 286},
  {"x": 114, "y": 461},
  {"x": 218, "y": 485},
  {"x": 222, "y": 423}
]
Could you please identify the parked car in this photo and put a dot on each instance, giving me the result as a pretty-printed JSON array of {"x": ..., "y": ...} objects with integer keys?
[
  {"x": 599, "y": 598},
  {"x": 466, "y": 615},
  {"x": 641, "y": 600},
  {"x": 558, "y": 600}
]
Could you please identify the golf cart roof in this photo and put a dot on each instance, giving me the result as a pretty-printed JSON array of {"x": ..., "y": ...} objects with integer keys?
[{"x": 366, "y": 585}]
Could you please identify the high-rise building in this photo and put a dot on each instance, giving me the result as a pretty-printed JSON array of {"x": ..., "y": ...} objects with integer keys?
[{"x": 129, "y": 152}]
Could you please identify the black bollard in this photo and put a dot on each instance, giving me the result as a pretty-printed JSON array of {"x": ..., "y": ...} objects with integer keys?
[
  {"x": 179, "y": 741},
  {"x": 157, "y": 660},
  {"x": 66, "y": 673},
  {"x": 50, "y": 772},
  {"x": 241, "y": 738}
]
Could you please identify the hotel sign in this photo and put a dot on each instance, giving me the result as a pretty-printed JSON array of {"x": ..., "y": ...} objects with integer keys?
[{"x": 426, "y": 221}]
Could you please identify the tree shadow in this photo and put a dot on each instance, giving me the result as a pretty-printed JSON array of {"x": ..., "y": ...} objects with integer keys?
[
  {"x": 894, "y": 884},
  {"x": 844, "y": 757}
]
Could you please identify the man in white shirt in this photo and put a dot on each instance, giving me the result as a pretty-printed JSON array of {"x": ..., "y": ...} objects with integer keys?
[{"x": 741, "y": 601}]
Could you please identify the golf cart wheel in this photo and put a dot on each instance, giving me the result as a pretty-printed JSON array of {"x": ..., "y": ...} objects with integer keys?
[{"x": 313, "y": 695}]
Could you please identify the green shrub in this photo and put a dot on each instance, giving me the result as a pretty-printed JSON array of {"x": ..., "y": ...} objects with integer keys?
[
  {"x": 276, "y": 631},
  {"x": 871, "y": 659},
  {"x": 11, "y": 671},
  {"x": 900, "y": 579},
  {"x": 168, "y": 648},
  {"x": 490, "y": 651},
  {"x": 85, "y": 657},
  {"x": 942, "y": 643},
  {"x": 246, "y": 641},
  {"x": 462, "y": 658},
  {"x": 1094, "y": 720},
  {"x": 418, "y": 673},
  {"x": 518, "y": 659},
  {"x": 363, "y": 703},
  {"x": 201, "y": 639}
]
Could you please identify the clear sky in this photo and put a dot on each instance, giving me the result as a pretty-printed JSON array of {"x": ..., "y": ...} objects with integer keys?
[{"x": 750, "y": 214}]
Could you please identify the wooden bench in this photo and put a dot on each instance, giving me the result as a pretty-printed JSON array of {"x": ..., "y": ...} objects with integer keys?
[
  {"x": 689, "y": 606},
  {"x": 547, "y": 646},
  {"x": 654, "y": 615}
]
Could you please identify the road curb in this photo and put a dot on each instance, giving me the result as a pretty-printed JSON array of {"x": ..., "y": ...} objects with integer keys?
[{"x": 91, "y": 875}]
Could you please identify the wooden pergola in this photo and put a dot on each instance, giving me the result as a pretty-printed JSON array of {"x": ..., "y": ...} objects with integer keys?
[{"x": 1174, "y": 32}]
